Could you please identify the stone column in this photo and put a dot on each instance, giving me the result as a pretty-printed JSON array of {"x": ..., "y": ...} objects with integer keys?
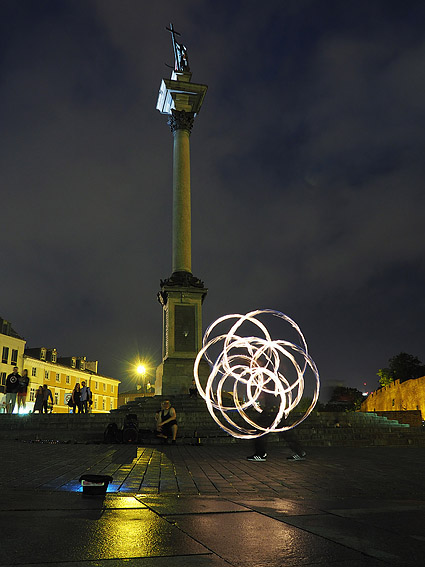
[
  {"x": 181, "y": 294},
  {"x": 181, "y": 123}
]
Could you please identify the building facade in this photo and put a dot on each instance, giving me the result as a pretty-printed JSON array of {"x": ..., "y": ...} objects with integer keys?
[
  {"x": 44, "y": 366},
  {"x": 12, "y": 348}
]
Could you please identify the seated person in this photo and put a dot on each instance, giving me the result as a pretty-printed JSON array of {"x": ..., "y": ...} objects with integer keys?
[
  {"x": 193, "y": 390},
  {"x": 166, "y": 423}
]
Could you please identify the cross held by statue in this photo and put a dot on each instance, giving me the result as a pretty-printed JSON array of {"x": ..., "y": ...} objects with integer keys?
[{"x": 181, "y": 60}]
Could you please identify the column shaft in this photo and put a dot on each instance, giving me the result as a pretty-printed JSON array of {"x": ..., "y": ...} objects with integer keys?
[{"x": 182, "y": 260}]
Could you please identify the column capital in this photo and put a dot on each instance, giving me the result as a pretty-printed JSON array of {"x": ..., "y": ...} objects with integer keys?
[{"x": 180, "y": 120}]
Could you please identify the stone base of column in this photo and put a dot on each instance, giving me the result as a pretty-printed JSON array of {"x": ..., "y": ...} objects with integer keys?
[
  {"x": 181, "y": 297},
  {"x": 174, "y": 376}
]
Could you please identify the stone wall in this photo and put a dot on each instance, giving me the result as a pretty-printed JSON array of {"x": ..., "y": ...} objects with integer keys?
[
  {"x": 409, "y": 395},
  {"x": 411, "y": 417}
]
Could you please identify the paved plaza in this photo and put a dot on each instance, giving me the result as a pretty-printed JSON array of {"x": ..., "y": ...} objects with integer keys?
[{"x": 209, "y": 506}]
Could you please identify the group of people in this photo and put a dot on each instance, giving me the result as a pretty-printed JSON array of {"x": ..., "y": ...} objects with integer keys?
[
  {"x": 43, "y": 402},
  {"x": 81, "y": 398},
  {"x": 16, "y": 390}
]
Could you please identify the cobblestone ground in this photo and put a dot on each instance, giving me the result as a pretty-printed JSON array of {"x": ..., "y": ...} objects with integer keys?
[{"x": 190, "y": 470}]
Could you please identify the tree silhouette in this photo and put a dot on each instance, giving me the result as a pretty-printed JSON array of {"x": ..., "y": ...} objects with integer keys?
[{"x": 401, "y": 367}]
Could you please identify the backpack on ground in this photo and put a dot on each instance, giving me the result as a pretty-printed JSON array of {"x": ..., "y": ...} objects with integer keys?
[
  {"x": 130, "y": 432},
  {"x": 112, "y": 434}
]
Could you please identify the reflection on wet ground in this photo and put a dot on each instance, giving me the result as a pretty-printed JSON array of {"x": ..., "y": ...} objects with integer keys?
[{"x": 209, "y": 507}]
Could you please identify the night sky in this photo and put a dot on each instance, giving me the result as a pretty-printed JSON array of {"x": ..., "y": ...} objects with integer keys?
[{"x": 307, "y": 173}]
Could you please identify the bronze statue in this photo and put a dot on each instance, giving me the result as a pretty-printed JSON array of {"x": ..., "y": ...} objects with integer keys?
[{"x": 181, "y": 60}]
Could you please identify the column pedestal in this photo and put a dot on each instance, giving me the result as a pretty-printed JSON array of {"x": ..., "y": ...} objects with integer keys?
[{"x": 181, "y": 297}]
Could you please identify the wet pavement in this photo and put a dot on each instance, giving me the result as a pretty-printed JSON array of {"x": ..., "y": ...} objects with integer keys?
[{"x": 209, "y": 506}]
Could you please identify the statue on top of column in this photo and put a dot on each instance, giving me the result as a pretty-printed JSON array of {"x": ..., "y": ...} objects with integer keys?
[{"x": 181, "y": 59}]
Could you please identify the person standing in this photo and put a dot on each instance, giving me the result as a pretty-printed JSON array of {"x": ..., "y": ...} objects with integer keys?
[
  {"x": 85, "y": 397},
  {"x": 12, "y": 389},
  {"x": 76, "y": 398},
  {"x": 38, "y": 404},
  {"x": 23, "y": 390},
  {"x": 47, "y": 393},
  {"x": 265, "y": 419}
]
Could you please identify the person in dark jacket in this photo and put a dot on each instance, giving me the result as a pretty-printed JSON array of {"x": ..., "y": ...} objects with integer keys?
[
  {"x": 12, "y": 389},
  {"x": 47, "y": 394},
  {"x": 76, "y": 398},
  {"x": 268, "y": 403},
  {"x": 38, "y": 404},
  {"x": 23, "y": 390},
  {"x": 85, "y": 397}
]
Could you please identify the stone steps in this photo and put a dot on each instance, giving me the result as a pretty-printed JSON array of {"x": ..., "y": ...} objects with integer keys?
[{"x": 319, "y": 429}]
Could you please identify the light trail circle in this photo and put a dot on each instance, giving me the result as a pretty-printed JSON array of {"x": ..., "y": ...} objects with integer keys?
[{"x": 255, "y": 382}]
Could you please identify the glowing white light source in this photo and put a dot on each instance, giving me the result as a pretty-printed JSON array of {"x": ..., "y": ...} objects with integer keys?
[{"x": 249, "y": 369}]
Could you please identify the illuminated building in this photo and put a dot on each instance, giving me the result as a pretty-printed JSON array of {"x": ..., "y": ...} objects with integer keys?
[
  {"x": 11, "y": 349},
  {"x": 59, "y": 373}
]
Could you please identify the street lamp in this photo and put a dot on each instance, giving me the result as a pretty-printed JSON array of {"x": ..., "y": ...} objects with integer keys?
[{"x": 141, "y": 371}]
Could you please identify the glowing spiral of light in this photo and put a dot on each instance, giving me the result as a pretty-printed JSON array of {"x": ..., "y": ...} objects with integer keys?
[{"x": 255, "y": 367}]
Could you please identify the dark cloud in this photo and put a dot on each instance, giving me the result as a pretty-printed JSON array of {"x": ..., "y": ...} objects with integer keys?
[{"x": 307, "y": 173}]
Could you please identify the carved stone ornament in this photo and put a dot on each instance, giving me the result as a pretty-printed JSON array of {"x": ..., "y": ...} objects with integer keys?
[
  {"x": 180, "y": 120},
  {"x": 182, "y": 279}
]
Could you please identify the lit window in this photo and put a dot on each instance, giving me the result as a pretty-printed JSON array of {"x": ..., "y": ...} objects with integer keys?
[
  {"x": 54, "y": 355},
  {"x": 68, "y": 379},
  {"x": 34, "y": 371},
  {"x": 58, "y": 377},
  {"x": 32, "y": 395},
  {"x": 5, "y": 355},
  {"x": 14, "y": 357},
  {"x": 46, "y": 374}
]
